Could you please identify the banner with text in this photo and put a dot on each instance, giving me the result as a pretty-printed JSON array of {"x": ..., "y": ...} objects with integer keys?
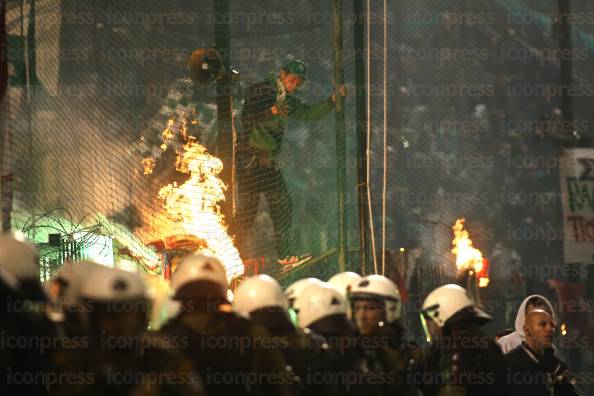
[{"x": 577, "y": 191}]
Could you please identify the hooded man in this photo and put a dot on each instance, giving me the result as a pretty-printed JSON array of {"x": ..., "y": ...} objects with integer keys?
[
  {"x": 535, "y": 301},
  {"x": 534, "y": 370}
]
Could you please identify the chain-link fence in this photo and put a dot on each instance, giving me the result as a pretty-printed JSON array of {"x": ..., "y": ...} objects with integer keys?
[{"x": 467, "y": 113}]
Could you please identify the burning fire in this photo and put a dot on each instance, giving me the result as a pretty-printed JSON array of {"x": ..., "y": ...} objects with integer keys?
[
  {"x": 194, "y": 205},
  {"x": 467, "y": 256}
]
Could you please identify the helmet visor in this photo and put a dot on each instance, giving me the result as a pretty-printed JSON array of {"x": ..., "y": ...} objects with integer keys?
[
  {"x": 293, "y": 316},
  {"x": 426, "y": 330}
]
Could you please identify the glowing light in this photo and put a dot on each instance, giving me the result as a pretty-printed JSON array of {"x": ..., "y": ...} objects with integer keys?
[
  {"x": 483, "y": 282},
  {"x": 98, "y": 248},
  {"x": 468, "y": 258},
  {"x": 195, "y": 205},
  {"x": 148, "y": 165},
  {"x": 126, "y": 265},
  {"x": 563, "y": 329}
]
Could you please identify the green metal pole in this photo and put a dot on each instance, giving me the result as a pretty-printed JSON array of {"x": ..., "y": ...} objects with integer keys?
[
  {"x": 224, "y": 102},
  {"x": 566, "y": 64},
  {"x": 359, "y": 33},
  {"x": 3, "y": 87},
  {"x": 3, "y": 53},
  {"x": 340, "y": 135},
  {"x": 31, "y": 54}
]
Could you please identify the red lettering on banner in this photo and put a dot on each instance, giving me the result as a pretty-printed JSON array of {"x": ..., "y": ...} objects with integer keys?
[{"x": 583, "y": 228}]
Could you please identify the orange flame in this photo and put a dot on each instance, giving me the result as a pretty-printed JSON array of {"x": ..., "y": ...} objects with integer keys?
[
  {"x": 148, "y": 165},
  {"x": 467, "y": 257},
  {"x": 194, "y": 205}
]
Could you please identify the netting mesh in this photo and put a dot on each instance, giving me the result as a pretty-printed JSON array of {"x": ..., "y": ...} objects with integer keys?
[
  {"x": 465, "y": 120},
  {"x": 110, "y": 77},
  {"x": 472, "y": 128}
]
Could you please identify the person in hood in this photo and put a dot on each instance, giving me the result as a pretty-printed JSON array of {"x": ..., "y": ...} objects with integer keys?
[
  {"x": 533, "y": 368},
  {"x": 530, "y": 303}
]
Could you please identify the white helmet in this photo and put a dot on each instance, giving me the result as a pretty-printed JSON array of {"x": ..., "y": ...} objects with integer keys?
[
  {"x": 378, "y": 287},
  {"x": 18, "y": 257},
  {"x": 320, "y": 301},
  {"x": 344, "y": 281},
  {"x": 295, "y": 289},
  {"x": 259, "y": 292},
  {"x": 198, "y": 268},
  {"x": 64, "y": 286},
  {"x": 443, "y": 303},
  {"x": 10, "y": 281},
  {"x": 112, "y": 284},
  {"x": 19, "y": 261}
]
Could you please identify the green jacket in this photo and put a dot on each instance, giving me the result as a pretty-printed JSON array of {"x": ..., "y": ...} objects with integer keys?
[{"x": 263, "y": 131}]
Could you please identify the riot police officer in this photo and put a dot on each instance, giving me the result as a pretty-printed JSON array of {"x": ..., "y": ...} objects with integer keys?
[
  {"x": 296, "y": 288},
  {"x": 27, "y": 333},
  {"x": 261, "y": 297},
  {"x": 63, "y": 289},
  {"x": 461, "y": 360},
  {"x": 323, "y": 309},
  {"x": 376, "y": 309},
  {"x": 344, "y": 282},
  {"x": 233, "y": 354},
  {"x": 116, "y": 357}
]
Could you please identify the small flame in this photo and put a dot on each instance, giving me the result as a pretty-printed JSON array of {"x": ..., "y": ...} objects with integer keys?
[
  {"x": 149, "y": 165},
  {"x": 167, "y": 134},
  {"x": 563, "y": 329},
  {"x": 467, "y": 256},
  {"x": 483, "y": 282}
]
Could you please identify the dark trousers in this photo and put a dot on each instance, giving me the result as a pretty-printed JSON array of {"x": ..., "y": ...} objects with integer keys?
[{"x": 253, "y": 180}]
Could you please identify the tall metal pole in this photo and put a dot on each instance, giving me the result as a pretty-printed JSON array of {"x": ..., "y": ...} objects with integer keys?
[
  {"x": 3, "y": 52},
  {"x": 340, "y": 135},
  {"x": 362, "y": 186},
  {"x": 3, "y": 107},
  {"x": 565, "y": 44},
  {"x": 224, "y": 101}
]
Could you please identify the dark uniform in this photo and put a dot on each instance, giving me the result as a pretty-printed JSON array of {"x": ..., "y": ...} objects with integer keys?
[
  {"x": 26, "y": 339},
  {"x": 233, "y": 355},
  {"x": 393, "y": 353},
  {"x": 532, "y": 375},
  {"x": 304, "y": 351},
  {"x": 462, "y": 362},
  {"x": 143, "y": 365},
  {"x": 260, "y": 142},
  {"x": 355, "y": 369},
  {"x": 114, "y": 356}
]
